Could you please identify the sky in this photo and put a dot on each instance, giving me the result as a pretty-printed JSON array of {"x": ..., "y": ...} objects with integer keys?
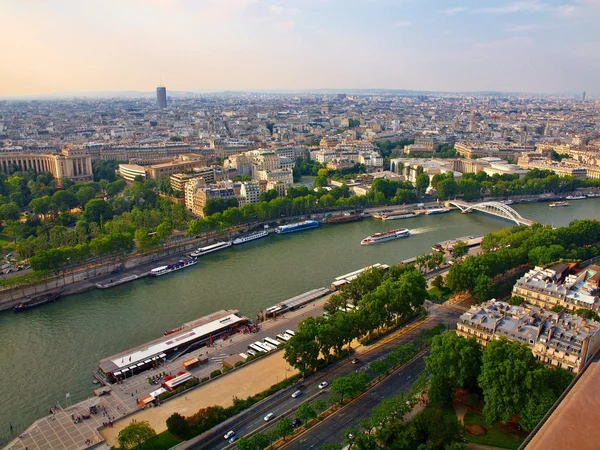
[{"x": 546, "y": 46}]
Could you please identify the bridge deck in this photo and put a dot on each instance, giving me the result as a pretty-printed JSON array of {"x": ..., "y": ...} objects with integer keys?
[{"x": 497, "y": 209}]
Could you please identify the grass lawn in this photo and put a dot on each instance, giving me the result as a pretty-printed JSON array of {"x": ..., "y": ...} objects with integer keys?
[
  {"x": 162, "y": 441},
  {"x": 5, "y": 239},
  {"x": 495, "y": 436},
  {"x": 438, "y": 295}
]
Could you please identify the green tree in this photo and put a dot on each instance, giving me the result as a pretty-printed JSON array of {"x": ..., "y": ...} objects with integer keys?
[
  {"x": 97, "y": 210},
  {"x": 438, "y": 282},
  {"x": 460, "y": 249},
  {"x": 284, "y": 428},
  {"x": 302, "y": 350},
  {"x": 63, "y": 201},
  {"x": 504, "y": 379},
  {"x": 453, "y": 363},
  {"x": 305, "y": 412},
  {"x": 178, "y": 426},
  {"x": 135, "y": 434},
  {"x": 483, "y": 287},
  {"x": 85, "y": 194},
  {"x": 379, "y": 367},
  {"x": 349, "y": 386},
  {"x": 10, "y": 211},
  {"x": 422, "y": 183},
  {"x": 164, "y": 231},
  {"x": 40, "y": 205}
]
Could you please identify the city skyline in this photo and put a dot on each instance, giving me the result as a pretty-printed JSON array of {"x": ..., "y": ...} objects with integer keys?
[{"x": 257, "y": 45}]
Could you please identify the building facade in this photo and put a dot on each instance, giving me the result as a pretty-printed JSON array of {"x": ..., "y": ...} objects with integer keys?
[
  {"x": 556, "y": 339},
  {"x": 73, "y": 163}
]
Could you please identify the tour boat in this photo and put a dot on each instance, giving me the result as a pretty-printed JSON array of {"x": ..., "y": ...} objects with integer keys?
[
  {"x": 298, "y": 226},
  {"x": 163, "y": 270},
  {"x": 576, "y": 197},
  {"x": 211, "y": 248},
  {"x": 249, "y": 237},
  {"x": 406, "y": 214},
  {"x": 37, "y": 301},
  {"x": 593, "y": 195},
  {"x": 558, "y": 204},
  {"x": 386, "y": 236},
  {"x": 345, "y": 218},
  {"x": 434, "y": 211}
]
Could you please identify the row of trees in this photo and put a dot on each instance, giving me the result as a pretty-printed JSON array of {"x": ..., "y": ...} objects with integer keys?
[
  {"x": 514, "y": 247},
  {"x": 379, "y": 300},
  {"x": 512, "y": 381}
]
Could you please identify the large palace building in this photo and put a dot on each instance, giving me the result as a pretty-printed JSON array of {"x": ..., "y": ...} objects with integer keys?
[{"x": 74, "y": 163}]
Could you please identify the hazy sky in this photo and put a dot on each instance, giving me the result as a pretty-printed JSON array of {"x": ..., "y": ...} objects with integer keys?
[{"x": 92, "y": 45}]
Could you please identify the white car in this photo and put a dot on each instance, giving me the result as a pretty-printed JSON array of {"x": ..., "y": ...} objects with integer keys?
[
  {"x": 269, "y": 417},
  {"x": 229, "y": 434},
  {"x": 296, "y": 394},
  {"x": 323, "y": 384}
]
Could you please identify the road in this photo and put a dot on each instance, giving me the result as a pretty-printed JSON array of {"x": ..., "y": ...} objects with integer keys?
[{"x": 282, "y": 405}]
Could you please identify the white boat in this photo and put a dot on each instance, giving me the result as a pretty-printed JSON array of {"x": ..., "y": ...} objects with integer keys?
[
  {"x": 433, "y": 211},
  {"x": 507, "y": 202},
  {"x": 576, "y": 197},
  {"x": 249, "y": 237},
  {"x": 163, "y": 270},
  {"x": 558, "y": 204},
  {"x": 593, "y": 195},
  {"x": 400, "y": 215},
  {"x": 211, "y": 248},
  {"x": 386, "y": 236}
]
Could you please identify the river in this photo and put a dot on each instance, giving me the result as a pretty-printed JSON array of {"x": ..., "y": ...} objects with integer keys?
[{"x": 50, "y": 351}]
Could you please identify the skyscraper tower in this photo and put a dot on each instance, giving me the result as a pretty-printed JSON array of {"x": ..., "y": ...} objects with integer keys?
[
  {"x": 161, "y": 96},
  {"x": 472, "y": 122},
  {"x": 583, "y": 96}
]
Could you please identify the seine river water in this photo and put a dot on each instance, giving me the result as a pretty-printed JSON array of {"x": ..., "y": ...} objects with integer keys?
[{"x": 50, "y": 351}]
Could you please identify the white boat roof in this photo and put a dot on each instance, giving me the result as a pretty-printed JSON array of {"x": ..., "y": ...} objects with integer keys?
[
  {"x": 130, "y": 360},
  {"x": 210, "y": 247}
]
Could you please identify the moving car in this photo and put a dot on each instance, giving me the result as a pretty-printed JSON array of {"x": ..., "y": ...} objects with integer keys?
[
  {"x": 233, "y": 439},
  {"x": 296, "y": 422},
  {"x": 296, "y": 394},
  {"x": 229, "y": 434},
  {"x": 323, "y": 384},
  {"x": 269, "y": 417},
  {"x": 355, "y": 361}
]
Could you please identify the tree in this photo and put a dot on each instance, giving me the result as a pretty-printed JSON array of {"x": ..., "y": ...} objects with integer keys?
[
  {"x": 422, "y": 183},
  {"x": 40, "y": 205},
  {"x": 379, "y": 367},
  {"x": 85, "y": 194},
  {"x": 504, "y": 379},
  {"x": 97, "y": 210},
  {"x": 320, "y": 182},
  {"x": 135, "y": 434},
  {"x": 10, "y": 211},
  {"x": 351, "y": 385},
  {"x": 302, "y": 350},
  {"x": 438, "y": 282},
  {"x": 305, "y": 412},
  {"x": 460, "y": 249},
  {"x": 178, "y": 426},
  {"x": 284, "y": 428},
  {"x": 63, "y": 201},
  {"x": 164, "y": 231},
  {"x": 453, "y": 363},
  {"x": 483, "y": 287}
]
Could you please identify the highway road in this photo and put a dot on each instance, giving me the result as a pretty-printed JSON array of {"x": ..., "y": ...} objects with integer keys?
[{"x": 282, "y": 405}]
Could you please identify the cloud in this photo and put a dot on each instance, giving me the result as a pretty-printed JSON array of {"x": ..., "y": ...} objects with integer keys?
[
  {"x": 401, "y": 24},
  {"x": 286, "y": 25},
  {"x": 453, "y": 11},
  {"x": 517, "y": 41},
  {"x": 515, "y": 7},
  {"x": 565, "y": 10},
  {"x": 521, "y": 28}
]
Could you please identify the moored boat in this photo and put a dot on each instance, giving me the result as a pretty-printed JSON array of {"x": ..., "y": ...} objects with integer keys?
[
  {"x": 345, "y": 218},
  {"x": 211, "y": 248},
  {"x": 593, "y": 195},
  {"x": 434, "y": 211},
  {"x": 386, "y": 236},
  {"x": 380, "y": 214},
  {"x": 507, "y": 202},
  {"x": 163, "y": 270},
  {"x": 405, "y": 214},
  {"x": 249, "y": 237},
  {"x": 37, "y": 301},
  {"x": 558, "y": 204},
  {"x": 576, "y": 197},
  {"x": 298, "y": 226}
]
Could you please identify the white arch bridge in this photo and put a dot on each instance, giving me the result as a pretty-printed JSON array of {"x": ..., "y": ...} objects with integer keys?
[{"x": 494, "y": 208}]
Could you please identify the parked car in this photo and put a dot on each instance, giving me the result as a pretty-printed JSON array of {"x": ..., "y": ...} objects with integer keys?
[
  {"x": 296, "y": 394},
  {"x": 269, "y": 417},
  {"x": 229, "y": 434},
  {"x": 323, "y": 384}
]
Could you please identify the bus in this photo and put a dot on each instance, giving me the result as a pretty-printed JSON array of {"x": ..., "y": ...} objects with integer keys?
[
  {"x": 283, "y": 337},
  {"x": 272, "y": 341},
  {"x": 269, "y": 346},
  {"x": 263, "y": 346},
  {"x": 257, "y": 349},
  {"x": 290, "y": 332},
  {"x": 177, "y": 381}
]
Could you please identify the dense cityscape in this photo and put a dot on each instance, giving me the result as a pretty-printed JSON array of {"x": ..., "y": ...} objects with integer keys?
[{"x": 257, "y": 224}]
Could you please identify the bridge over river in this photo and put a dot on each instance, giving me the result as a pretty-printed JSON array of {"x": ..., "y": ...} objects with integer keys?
[{"x": 497, "y": 209}]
